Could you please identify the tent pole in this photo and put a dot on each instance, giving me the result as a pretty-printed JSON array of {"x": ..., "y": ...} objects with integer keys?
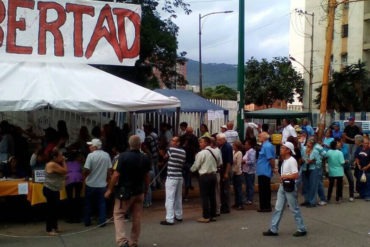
[{"x": 177, "y": 116}]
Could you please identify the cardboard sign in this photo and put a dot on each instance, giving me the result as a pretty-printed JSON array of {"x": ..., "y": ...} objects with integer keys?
[
  {"x": 72, "y": 31},
  {"x": 39, "y": 176}
]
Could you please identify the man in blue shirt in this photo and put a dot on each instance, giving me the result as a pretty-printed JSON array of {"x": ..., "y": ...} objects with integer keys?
[
  {"x": 227, "y": 159},
  {"x": 336, "y": 133},
  {"x": 265, "y": 167},
  {"x": 307, "y": 128}
]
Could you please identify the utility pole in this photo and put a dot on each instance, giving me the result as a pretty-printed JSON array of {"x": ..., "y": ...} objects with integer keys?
[
  {"x": 200, "y": 56},
  {"x": 241, "y": 71},
  {"x": 310, "y": 73},
  {"x": 311, "y": 65},
  {"x": 332, "y": 4}
]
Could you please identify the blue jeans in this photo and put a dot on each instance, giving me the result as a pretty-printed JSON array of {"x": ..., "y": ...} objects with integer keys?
[
  {"x": 320, "y": 189},
  {"x": 312, "y": 183},
  {"x": 238, "y": 192},
  {"x": 283, "y": 198},
  {"x": 249, "y": 184},
  {"x": 364, "y": 188},
  {"x": 92, "y": 194}
]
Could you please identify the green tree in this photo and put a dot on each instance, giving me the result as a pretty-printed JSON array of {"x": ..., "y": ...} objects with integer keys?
[
  {"x": 349, "y": 90},
  {"x": 266, "y": 82},
  {"x": 158, "y": 47},
  {"x": 220, "y": 92}
]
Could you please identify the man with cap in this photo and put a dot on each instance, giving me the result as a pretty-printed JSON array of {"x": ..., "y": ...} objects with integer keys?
[
  {"x": 336, "y": 133},
  {"x": 223, "y": 128},
  {"x": 289, "y": 172},
  {"x": 97, "y": 169},
  {"x": 349, "y": 133}
]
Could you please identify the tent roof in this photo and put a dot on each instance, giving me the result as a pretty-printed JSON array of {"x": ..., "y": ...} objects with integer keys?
[
  {"x": 74, "y": 87},
  {"x": 274, "y": 113},
  {"x": 191, "y": 102}
]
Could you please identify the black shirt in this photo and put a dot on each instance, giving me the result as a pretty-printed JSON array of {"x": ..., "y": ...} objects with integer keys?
[
  {"x": 190, "y": 144},
  {"x": 132, "y": 167},
  {"x": 351, "y": 132}
]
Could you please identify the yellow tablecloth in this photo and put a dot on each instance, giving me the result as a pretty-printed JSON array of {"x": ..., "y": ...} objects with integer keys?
[{"x": 34, "y": 196}]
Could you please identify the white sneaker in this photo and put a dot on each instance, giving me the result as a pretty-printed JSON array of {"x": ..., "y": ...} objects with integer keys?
[
  {"x": 322, "y": 203},
  {"x": 351, "y": 199}
]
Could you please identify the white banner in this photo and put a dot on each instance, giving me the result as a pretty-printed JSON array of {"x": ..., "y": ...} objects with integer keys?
[{"x": 72, "y": 31}]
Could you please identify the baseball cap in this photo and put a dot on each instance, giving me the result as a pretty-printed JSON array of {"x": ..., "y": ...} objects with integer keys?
[
  {"x": 223, "y": 127},
  {"x": 290, "y": 146},
  {"x": 351, "y": 118},
  {"x": 336, "y": 124},
  {"x": 95, "y": 142}
]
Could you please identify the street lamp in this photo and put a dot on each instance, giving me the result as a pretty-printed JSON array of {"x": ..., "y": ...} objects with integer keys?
[
  {"x": 309, "y": 72},
  {"x": 200, "y": 45}
]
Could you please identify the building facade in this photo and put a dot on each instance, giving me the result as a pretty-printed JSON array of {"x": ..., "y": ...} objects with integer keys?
[{"x": 351, "y": 39}]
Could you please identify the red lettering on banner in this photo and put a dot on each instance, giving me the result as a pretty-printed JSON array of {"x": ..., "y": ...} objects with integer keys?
[
  {"x": 13, "y": 25},
  {"x": 78, "y": 11},
  {"x": 100, "y": 31},
  {"x": 52, "y": 27},
  {"x": 2, "y": 17},
  {"x": 135, "y": 19}
]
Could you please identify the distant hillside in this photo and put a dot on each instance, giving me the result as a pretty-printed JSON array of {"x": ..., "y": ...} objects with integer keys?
[{"x": 213, "y": 74}]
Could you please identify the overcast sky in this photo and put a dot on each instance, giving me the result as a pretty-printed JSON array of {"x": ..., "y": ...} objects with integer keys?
[{"x": 266, "y": 30}]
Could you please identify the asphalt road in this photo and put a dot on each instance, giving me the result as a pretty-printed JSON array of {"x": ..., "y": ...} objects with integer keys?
[{"x": 345, "y": 224}]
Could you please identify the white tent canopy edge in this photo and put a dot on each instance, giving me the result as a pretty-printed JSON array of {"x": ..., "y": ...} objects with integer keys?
[{"x": 73, "y": 87}]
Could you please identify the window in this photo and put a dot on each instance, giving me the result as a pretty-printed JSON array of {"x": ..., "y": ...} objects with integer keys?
[{"x": 345, "y": 31}]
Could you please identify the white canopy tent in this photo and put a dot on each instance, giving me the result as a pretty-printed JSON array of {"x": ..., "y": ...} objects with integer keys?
[{"x": 73, "y": 87}]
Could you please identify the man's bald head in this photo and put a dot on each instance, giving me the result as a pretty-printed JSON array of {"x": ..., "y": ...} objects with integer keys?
[
  {"x": 230, "y": 126},
  {"x": 264, "y": 136},
  {"x": 189, "y": 130}
]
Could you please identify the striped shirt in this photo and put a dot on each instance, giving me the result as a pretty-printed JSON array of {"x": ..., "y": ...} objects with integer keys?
[
  {"x": 151, "y": 142},
  {"x": 176, "y": 162}
]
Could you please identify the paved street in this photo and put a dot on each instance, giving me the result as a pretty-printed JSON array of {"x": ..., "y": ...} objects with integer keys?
[{"x": 346, "y": 224}]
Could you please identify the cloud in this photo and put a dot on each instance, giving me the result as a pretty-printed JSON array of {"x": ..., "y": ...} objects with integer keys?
[
  {"x": 268, "y": 38},
  {"x": 275, "y": 41},
  {"x": 256, "y": 18}
]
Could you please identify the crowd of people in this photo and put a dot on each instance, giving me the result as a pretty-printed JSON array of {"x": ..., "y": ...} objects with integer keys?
[{"x": 108, "y": 162}]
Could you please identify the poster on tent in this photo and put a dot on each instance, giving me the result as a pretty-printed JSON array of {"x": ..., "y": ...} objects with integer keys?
[{"x": 71, "y": 31}]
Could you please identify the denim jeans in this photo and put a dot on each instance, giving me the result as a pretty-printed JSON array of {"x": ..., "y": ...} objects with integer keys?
[
  {"x": 283, "y": 198},
  {"x": 91, "y": 195},
  {"x": 312, "y": 184},
  {"x": 238, "y": 192},
  {"x": 320, "y": 188},
  {"x": 364, "y": 188},
  {"x": 148, "y": 196},
  {"x": 249, "y": 186}
]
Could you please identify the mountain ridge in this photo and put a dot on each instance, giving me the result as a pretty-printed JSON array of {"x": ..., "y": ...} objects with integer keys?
[{"x": 213, "y": 74}]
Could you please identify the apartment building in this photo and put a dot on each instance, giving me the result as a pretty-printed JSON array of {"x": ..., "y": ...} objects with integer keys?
[{"x": 351, "y": 39}]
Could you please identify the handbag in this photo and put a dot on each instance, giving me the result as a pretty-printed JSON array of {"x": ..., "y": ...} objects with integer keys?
[
  {"x": 289, "y": 185},
  {"x": 123, "y": 193},
  {"x": 363, "y": 178}
]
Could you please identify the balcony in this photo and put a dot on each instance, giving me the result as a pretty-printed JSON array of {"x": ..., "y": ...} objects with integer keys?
[
  {"x": 366, "y": 46},
  {"x": 367, "y": 16}
]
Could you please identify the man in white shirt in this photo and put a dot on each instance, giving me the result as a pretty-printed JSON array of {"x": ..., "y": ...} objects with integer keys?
[
  {"x": 289, "y": 172},
  {"x": 97, "y": 169},
  {"x": 206, "y": 163},
  {"x": 231, "y": 134},
  {"x": 287, "y": 131}
]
